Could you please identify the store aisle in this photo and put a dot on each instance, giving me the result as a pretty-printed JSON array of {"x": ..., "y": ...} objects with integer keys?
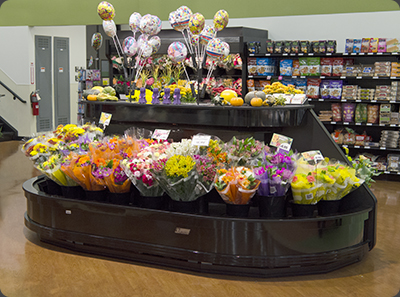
[{"x": 29, "y": 267}]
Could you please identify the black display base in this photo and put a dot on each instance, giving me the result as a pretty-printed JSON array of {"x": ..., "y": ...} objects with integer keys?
[{"x": 213, "y": 243}]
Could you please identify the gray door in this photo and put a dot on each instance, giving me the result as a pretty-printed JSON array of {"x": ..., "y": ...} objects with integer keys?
[
  {"x": 43, "y": 82},
  {"x": 61, "y": 81}
]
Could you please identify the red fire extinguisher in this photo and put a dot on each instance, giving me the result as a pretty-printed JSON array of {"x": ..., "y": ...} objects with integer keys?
[{"x": 35, "y": 102}]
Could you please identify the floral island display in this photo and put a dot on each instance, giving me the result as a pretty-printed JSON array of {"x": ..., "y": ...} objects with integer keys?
[{"x": 104, "y": 168}]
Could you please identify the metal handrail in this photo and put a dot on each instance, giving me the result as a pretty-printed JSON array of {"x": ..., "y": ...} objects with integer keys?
[{"x": 12, "y": 92}]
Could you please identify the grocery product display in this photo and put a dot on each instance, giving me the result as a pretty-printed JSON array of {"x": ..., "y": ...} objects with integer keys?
[{"x": 357, "y": 89}]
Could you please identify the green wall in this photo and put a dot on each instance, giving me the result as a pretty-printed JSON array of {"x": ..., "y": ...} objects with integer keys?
[{"x": 84, "y": 12}]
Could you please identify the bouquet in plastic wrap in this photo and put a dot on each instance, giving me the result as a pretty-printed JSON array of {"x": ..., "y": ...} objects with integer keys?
[
  {"x": 106, "y": 157},
  {"x": 345, "y": 180},
  {"x": 242, "y": 151},
  {"x": 178, "y": 177},
  {"x": 306, "y": 187},
  {"x": 275, "y": 172},
  {"x": 206, "y": 169},
  {"x": 236, "y": 185},
  {"x": 139, "y": 167}
]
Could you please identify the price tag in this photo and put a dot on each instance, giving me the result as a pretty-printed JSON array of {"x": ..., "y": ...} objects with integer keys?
[
  {"x": 379, "y": 53},
  {"x": 311, "y": 54},
  {"x": 268, "y": 54},
  {"x": 322, "y": 77},
  {"x": 251, "y": 76},
  {"x": 320, "y": 99},
  {"x": 201, "y": 140},
  {"x": 346, "y": 123},
  {"x": 301, "y": 54},
  {"x": 358, "y": 100},
  {"x": 251, "y": 55},
  {"x": 268, "y": 77},
  {"x": 392, "y": 77},
  {"x": 293, "y": 54},
  {"x": 285, "y": 54},
  {"x": 343, "y": 77},
  {"x": 370, "y": 53},
  {"x": 358, "y": 124},
  {"x": 353, "y": 54},
  {"x": 359, "y": 77},
  {"x": 369, "y": 124},
  {"x": 373, "y": 101},
  {"x": 345, "y": 145},
  {"x": 302, "y": 76},
  {"x": 382, "y": 148},
  {"x": 375, "y": 77},
  {"x": 392, "y": 101},
  {"x": 381, "y": 125},
  {"x": 329, "y": 54},
  {"x": 344, "y": 100},
  {"x": 160, "y": 134},
  {"x": 356, "y": 146},
  {"x": 367, "y": 147},
  {"x": 345, "y": 54},
  {"x": 386, "y": 172},
  {"x": 333, "y": 123},
  {"x": 105, "y": 119},
  {"x": 312, "y": 156},
  {"x": 281, "y": 142},
  {"x": 361, "y": 54},
  {"x": 294, "y": 76}
]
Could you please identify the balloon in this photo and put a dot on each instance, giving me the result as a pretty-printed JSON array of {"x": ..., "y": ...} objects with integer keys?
[
  {"x": 221, "y": 19},
  {"x": 142, "y": 39},
  {"x": 97, "y": 41},
  {"x": 182, "y": 16},
  {"x": 207, "y": 34},
  {"x": 196, "y": 23},
  {"x": 226, "y": 49},
  {"x": 172, "y": 20},
  {"x": 194, "y": 40},
  {"x": 146, "y": 49},
  {"x": 215, "y": 48},
  {"x": 110, "y": 28},
  {"x": 155, "y": 43},
  {"x": 106, "y": 11},
  {"x": 150, "y": 24},
  {"x": 177, "y": 51},
  {"x": 134, "y": 21},
  {"x": 130, "y": 46}
]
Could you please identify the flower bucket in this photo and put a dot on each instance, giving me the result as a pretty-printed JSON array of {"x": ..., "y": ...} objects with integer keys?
[
  {"x": 119, "y": 198},
  {"x": 272, "y": 206},
  {"x": 184, "y": 206},
  {"x": 303, "y": 210},
  {"x": 237, "y": 210},
  {"x": 53, "y": 188},
  {"x": 152, "y": 202},
  {"x": 73, "y": 192},
  {"x": 328, "y": 207},
  {"x": 99, "y": 196}
]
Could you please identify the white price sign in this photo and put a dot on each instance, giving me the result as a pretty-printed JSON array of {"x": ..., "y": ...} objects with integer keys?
[
  {"x": 201, "y": 140},
  {"x": 312, "y": 156},
  {"x": 160, "y": 134},
  {"x": 105, "y": 119},
  {"x": 281, "y": 142}
]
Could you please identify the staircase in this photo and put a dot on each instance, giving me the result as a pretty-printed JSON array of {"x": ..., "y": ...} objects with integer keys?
[{"x": 8, "y": 132}]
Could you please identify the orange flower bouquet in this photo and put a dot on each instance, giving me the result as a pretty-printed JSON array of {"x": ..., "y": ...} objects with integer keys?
[{"x": 236, "y": 185}]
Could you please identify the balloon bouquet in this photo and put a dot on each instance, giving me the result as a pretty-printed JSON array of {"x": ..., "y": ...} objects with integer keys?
[
  {"x": 200, "y": 40},
  {"x": 143, "y": 47}
]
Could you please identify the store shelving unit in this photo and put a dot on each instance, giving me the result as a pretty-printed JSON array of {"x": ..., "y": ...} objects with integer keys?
[
  {"x": 362, "y": 81},
  {"x": 212, "y": 242}
]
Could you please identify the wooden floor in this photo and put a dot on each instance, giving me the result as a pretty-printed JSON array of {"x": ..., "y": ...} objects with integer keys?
[{"x": 31, "y": 268}]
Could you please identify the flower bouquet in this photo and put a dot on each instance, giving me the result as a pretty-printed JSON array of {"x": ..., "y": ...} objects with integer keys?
[
  {"x": 179, "y": 178},
  {"x": 244, "y": 151},
  {"x": 236, "y": 185},
  {"x": 275, "y": 172},
  {"x": 139, "y": 167}
]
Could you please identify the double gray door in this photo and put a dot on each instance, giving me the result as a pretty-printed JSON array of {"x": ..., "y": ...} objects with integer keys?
[{"x": 44, "y": 75}]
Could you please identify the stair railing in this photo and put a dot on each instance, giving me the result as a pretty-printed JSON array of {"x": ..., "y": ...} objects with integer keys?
[{"x": 15, "y": 96}]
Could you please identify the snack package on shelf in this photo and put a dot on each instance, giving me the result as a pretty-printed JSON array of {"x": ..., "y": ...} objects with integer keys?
[
  {"x": 326, "y": 66},
  {"x": 373, "y": 45},
  {"x": 324, "y": 89},
  {"x": 392, "y": 45},
  {"x": 372, "y": 113},
  {"x": 338, "y": 136},
  {"x": 304, "y": 46},
  {"x": 349, "y": 92},
  {"x": 325, "y": 115},
  {"x": 313, "y": 88},
  {"x": 335, "y": 89},
  {"x": 336, "y": 112},
  {"x": 361, "y": 113},
  {"x": 382, "y": 45},
  {"x": 270, "y": 46},
  {"x": 365, "y": 45},
  {"x": 357, "y": 45},
  {"x": 393, "y": 162},
  {"x": 337, "y": 66},
  {"x": 348, "y": 110},
  {"x": 349, "y": 45}
]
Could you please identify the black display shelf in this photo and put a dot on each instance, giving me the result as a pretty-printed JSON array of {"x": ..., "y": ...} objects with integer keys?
[
  {"x": 364, "y": 147},
  {"x": 362, "y": 124},
  {"x": 212, "y": 242},
  {"x": 324, "y": 55},
  {"x": 279, "y": 77},
  {"x": 352, "y": 101}
]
